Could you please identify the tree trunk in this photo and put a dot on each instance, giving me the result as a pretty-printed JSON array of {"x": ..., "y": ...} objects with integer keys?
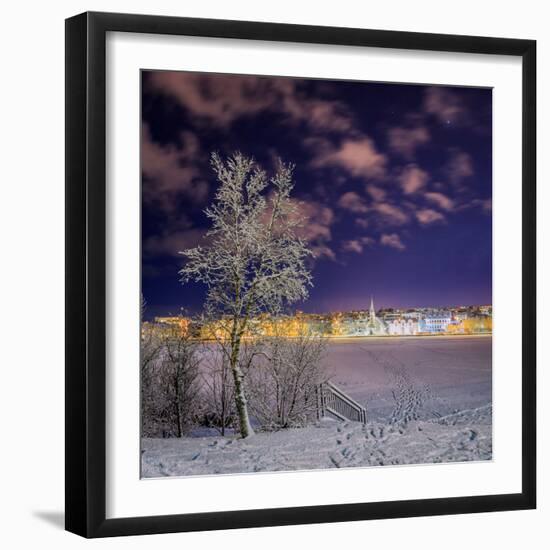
[
  {"x": 222, "y": 417},
  {"x": 240, "y": 397},
  {"x": 177, "y": 403},
  {"x": 223, "y": 399}
]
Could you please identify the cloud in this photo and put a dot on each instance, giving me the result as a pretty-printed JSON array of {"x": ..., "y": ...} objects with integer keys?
[
  {"x": 486, "y": 205},
  {"x": 362, "y": 222},
  {"x": 357, "y": 245},
  {"x": 359, "y": 157},
  {"x": 445, "y": 105},
  {"x": 377, "y": 193},
  {"x": 392, "y": 240},
  {"x": 353, "y": 202},
  {"x": 171, "y": 170},
  {"x": 405, "y": 141},
  {"x": 318, "y": 220},
  {"x": 427, "y": 216},
  {"x": 316, "y": 228},
  {"x": 412, "y": 179},
  {"x": 390, "y": 213},
  {"x": 352, "y": 246},
  {"x": 443, "y": 201},
  {"x": 321, "y": 251},
  {"x": 320, "y": 114},
  {"x": 222, "y": 99},
  {"x": 459, "y": 167},
  {"x": 171, "y": 243},
  {"x": 208, "y": 96}
]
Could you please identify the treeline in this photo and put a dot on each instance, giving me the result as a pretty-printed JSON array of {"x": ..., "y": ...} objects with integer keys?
[{"x": 187, "y": 383}]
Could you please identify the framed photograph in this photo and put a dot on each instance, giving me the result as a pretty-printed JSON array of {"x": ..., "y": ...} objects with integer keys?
[{"x": 300, "y": 274}]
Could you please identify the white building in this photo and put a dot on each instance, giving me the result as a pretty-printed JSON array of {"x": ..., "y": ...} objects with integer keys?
[
  {"x": 402, "y": 327},
  {"x": 434, "y": 323}
]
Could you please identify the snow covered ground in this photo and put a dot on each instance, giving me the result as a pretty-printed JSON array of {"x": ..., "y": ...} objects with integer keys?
[
  {"x": 460, "y": 437},
  {"x": 454, "y": 425}
]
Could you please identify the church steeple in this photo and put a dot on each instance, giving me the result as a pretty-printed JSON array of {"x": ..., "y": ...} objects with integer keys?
[{"x": 372, "y": 313}]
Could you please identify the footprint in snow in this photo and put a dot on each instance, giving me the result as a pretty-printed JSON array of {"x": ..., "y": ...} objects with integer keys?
[{"x": 346, "y": 452}]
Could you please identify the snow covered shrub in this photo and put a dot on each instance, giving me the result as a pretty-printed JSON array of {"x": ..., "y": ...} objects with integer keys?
[
  {"x": 217, "y": 395},
  {"x": 150, "y": 347},
  {"x": 409, "y": 398},
  {"x": 283, "y": 385},
  {"x": 170, "y": 387}
]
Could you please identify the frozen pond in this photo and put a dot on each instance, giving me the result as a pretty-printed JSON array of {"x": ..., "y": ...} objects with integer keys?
[{"x": 457, "y": 369}]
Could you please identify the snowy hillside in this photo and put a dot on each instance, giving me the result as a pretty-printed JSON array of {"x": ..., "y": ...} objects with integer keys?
[{"x": 460, "y": 437}]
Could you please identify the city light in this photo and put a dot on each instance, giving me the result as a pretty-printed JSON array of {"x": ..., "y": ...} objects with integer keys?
[{"x": 455, "y": 320}]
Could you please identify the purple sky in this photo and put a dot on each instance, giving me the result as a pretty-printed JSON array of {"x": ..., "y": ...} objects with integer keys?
[{"x": 394, "y": 179}]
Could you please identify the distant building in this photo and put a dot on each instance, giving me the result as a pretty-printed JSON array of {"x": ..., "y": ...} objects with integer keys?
[
  {"x": 435, "y": 322},
  {"x": 461, "y": 315},
  {"x": 402, "y": 327},
  {"x": 175, "y": 322},
  {"x": 389, "y": 316},
  {"x": 472, "y": 325},
  {"x": 411, "y": 314}
]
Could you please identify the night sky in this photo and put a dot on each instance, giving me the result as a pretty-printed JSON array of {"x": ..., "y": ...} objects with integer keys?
[{"x": 394, "y": 179}]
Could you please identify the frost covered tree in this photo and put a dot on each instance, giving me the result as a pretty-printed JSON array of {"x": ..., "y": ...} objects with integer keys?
[{"x": 253, "y": 261}]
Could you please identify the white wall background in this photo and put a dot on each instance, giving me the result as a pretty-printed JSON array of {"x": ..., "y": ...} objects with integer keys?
[{"x": 32, "y": 263}]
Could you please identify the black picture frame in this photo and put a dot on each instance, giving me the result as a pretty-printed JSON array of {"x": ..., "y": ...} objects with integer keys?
[{"x": 86, "y": 284}]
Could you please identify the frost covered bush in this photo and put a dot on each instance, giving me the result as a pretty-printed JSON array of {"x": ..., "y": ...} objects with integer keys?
[
  {"x": 218, "y": 390},
  {"x": 217, "y": 394},
  {"x": 170, "y": 386},
  {"x": 283, "y": 385},
  {"x": 149, "y": 351}
]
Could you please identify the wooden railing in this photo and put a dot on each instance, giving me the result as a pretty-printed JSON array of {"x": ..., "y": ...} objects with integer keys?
[{"x": 332, "y": 401}]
